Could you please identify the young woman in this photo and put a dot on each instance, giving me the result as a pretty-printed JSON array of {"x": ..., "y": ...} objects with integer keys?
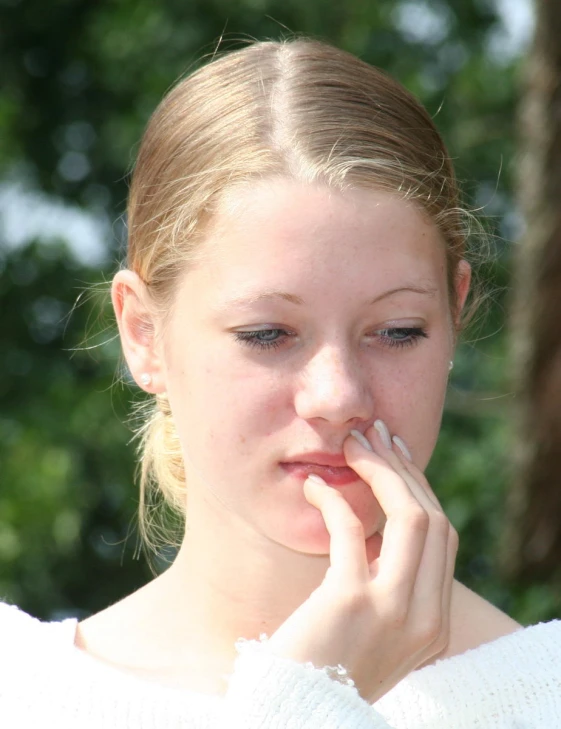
[{"x": 294, "y": 289}]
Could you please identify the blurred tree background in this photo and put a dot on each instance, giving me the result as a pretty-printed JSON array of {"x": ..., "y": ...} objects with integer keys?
[{"x": 79, "y": 80}]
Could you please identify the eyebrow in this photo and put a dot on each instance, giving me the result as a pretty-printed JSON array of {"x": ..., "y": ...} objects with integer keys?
[
  {"x": 412, "y": 288},
  {"x": 250, "y": 299}
]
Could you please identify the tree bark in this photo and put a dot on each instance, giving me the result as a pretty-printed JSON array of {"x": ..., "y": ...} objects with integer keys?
[{"x": 533, "y": 536}]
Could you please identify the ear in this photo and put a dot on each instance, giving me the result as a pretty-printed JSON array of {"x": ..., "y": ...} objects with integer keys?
[
  {"x": 461, "y": 285},
  {"x": 137, "y": 329}
]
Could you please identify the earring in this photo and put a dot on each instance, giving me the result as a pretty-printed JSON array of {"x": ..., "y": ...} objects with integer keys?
[
  {"x": 450, "y": 365},
  {"x": 145, "y": 379}
]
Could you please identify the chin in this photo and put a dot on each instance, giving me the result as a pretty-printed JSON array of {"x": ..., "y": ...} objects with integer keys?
[
  {"x": 308, "y": 544},
  {"x": 308, "y": 534}
]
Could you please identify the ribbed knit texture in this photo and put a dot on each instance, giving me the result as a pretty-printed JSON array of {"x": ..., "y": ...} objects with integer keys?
[
  {"x": 47, "y": 683},
  {"x": 276, "y": 693}
]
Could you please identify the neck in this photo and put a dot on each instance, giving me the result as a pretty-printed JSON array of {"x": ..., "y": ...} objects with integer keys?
[
  {"x": 245, "y": 591},
  {"x": 227, "y": 582}
]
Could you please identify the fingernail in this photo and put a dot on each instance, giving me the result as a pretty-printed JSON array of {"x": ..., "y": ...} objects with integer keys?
[
  {"x": 384, "y": 433},
  {"x": 402, "y": 447},
  {"x": 316, "y": 479},
  {"x": 362, "y": 439}
]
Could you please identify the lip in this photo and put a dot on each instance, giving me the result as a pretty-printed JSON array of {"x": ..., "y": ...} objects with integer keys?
[
  {"x": 320, "y": 458},
  {"x": 332, "y": 467}
]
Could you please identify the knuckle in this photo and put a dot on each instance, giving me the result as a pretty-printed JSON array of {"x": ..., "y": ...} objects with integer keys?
[
  {"x": 453, "y": 538},
  {"x": 356, "y": 601},
  {"x": 416, "y": 519},
  {"x": 354, "y": 528},
  {"x": 440, "y": 523},
  {"x": 439, "y": 643},
  {"x": 442, "y": 641},
  {"x": 395, "y": 615},
  {"x": 430, "y": 631}
]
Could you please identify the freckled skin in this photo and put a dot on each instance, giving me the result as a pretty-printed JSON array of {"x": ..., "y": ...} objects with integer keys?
[{"x": 240, "y": 411}]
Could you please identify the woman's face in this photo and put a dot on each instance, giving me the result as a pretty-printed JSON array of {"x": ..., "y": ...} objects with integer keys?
[{"x": 311, "y": 312}]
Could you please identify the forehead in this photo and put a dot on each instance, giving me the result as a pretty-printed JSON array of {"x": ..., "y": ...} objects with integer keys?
[{"x": 281, "y": 231}]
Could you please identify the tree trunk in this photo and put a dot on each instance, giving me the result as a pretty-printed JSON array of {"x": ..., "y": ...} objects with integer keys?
[{"x": 533, "y": 539}]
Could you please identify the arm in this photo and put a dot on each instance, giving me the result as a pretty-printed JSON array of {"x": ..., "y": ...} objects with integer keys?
[{"x": 266, "y": 690}]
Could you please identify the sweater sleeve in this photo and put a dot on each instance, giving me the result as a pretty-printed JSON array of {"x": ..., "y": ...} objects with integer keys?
[{"x": 268, "y": 691}]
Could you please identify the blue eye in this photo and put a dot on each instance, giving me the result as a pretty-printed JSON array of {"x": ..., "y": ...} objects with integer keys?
[
  {"x": 402, "y": 336},
  {"x": 274, "y": 337},
  {"x": 262, "y": 338}
]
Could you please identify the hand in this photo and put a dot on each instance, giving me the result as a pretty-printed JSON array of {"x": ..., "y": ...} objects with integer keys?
[{"x": 384, "y": 618}]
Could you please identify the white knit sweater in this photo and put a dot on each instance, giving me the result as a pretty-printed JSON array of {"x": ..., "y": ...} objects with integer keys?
[{"x": 48, "y": 683}]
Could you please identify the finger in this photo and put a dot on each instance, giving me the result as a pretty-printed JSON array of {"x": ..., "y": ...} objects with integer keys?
[
  {"x": 379, "y": 442},
  {"x": 402, "y": 451},
  {"x": 417, "y": 481},
  {"x": 373, "y": 549},
  {"x": 412, "y": 469},
  {"x": 413, "y": 476},
  {"x": 433, "y": 598},
  {"x": 390, "y": 489},
  {"x": 403, "y": 546},
  {"x": 402, "y": 448},
  {"x": 432, "y": 592},
  {"x": 406, "y": 520},
  {"x": 347, "y": 552},
  {"x": 451, "y": 554},
  {"x": 434, "y": 580},
  {"x": 429, "y": 600}
]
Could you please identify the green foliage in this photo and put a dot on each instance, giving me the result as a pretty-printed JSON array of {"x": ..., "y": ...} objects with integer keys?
[
  {"x": 79, "y": 83},
  {"x": 67, "y": 499}
]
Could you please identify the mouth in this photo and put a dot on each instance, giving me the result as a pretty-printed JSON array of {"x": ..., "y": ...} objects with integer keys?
[{"x": 332, "y": 475}]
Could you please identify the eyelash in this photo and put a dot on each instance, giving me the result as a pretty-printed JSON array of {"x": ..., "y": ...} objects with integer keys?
[
  {"x": 412, "y": 334},
  {"x": 252, "y": 339}
]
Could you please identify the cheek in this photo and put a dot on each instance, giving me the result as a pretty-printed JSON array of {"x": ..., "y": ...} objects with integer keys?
[
  {"x": 227, "y": 432},
  {"x": 412, "y": 407},
  {"x": 425, "y": 419},
  {"x": 223, "y": 412}
]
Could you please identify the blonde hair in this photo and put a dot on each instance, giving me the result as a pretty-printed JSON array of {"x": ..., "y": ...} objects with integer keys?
[{"x": 298, "y": 108}]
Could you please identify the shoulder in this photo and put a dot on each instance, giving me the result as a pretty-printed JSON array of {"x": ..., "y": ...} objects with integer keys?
[
  {"x": 15, "y": 624},
  {"x": 536, "y": 646},
  {"x": 22, "y": 634},
  {"x": 528, "y": 657},
  {"x": 514, "y": 680},
  {"x": 474, "y": 621},
  {"x": 35, "y": 668},
  {"x": 486, "y": 643}
]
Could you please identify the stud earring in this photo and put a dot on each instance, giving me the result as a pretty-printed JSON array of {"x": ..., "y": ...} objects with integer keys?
[
  {"x": 145, "y": 379},
  {"x": 450, "y": 365}
]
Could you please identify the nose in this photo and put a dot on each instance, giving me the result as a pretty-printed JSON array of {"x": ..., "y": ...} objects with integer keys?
[{"x": 335, "y": 388}]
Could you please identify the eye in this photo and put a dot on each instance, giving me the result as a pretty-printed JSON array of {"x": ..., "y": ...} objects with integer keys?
[
  {"x": 262, "y": 338},
  {"x": 402, "y": 336}
]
